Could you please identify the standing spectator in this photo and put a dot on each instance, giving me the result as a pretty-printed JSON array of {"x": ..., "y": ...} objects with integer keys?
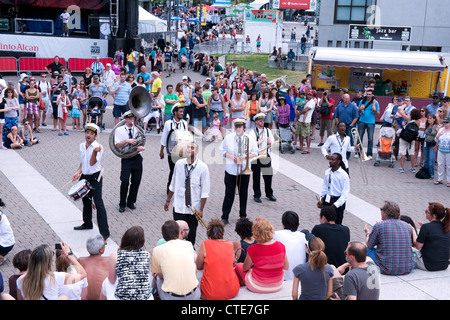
[
  {"x": 21, "y": 86},
  {"x": 33, "y": 96},
  {"x": 335, "y": 236},
  {"x": 429, "y": 144},
  {"x": 7, "y": 240},
  {"x": 11, "y": 117},
  {"x": 168, "y": 61},
  {"x": 129, "y": 267},
  {"x": 368, "y": 109},
  {"x": 199, "y": 107},
  {"x": 407, "y": 138},
  {"x": 432, "y": 243},
  {"x": 40, "y": 282},
  {"x": 63, "y": 102},
  {"x": 347, "y": 112},
  {"x": 170, "y": 98},
  {"x": 362, "y": 282},
  {"x": 97, "y": 67},
  {"x": 65, "y": 16},
  {"x": 315, "y": 275},
  {"x": 96, "y": 266},
  {"x": 174, "y": 266},
  {"x": 131, "y": 61},
  {"x": 443, "y": 158},
  {"x": 305, "y": 120},
  {"x": 293, "y": 240},
  {"x": 216, "y": 258},
  {"x": 326, "y": 108},
  {"x": 87, "y": 77},
  {"x": 434, "y": 105},
  {"x": 262, "y": 270},
  {"x": 108, "y": 77},
  {"x": 45, "y": 88},
  {"x": 303, "y": 41},
  {"x": 258, "y": 44},
  {"x": 294, "y": 34},
  {"x": 390, "y": 241},
  {"x": 156, "y": 84},
  {"x": 98, "y": 89},
  {"x": 55, "y": 66},
  {"x": 146, "y": 76}
]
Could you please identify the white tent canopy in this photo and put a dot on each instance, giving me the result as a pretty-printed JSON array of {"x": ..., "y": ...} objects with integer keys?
[
  {"x": 149, "y": 23},
  {"x": 393, "y": 60}
]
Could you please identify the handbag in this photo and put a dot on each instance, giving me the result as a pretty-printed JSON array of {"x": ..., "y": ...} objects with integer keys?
[
  {"x": 423, "y": 173},
  {"x": 41, "y": 104}
]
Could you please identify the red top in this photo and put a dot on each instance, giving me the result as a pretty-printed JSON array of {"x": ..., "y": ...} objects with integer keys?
[
  {"x": 219, "y": 280},
  {"x": 268, "y": 261}
]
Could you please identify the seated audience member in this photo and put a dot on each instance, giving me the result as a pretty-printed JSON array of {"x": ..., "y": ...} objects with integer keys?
[
  {"x": 362, "y": 282},
  {"x": 262, "y": 270},
  {"x": 96, "y": 266},
  {"x": 432, "y": 243},
  {"x": 129, "y": 267},
  {"x": 335, "y": 236},
  {"x": 73, "y": 291},
  {"x": 244, "y": 230},
  {"x": 20, "y": 262},
  {"x": 216, "y": 259},
  {"x": 293, "y": 240},
  {"x": 390, "y": 241},
  {"x": 315, "y": 275},
  {"x": 40, "y": 282},
  {"x": 174, "y": 266}
]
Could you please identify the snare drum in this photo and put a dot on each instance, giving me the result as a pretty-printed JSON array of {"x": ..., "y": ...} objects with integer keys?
[
  {"x": 178, "y": 141},
  {"x": 79, "y": 189}
]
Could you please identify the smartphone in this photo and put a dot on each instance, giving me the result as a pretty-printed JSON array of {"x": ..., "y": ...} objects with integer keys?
[{"x": 58, "y": 246}]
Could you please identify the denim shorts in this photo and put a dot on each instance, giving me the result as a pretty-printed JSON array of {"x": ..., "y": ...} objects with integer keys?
[{"x": 196, "y": 122}]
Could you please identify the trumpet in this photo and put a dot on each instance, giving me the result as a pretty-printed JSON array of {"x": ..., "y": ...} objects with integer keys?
[
  {"x": 362, "y": 156},
  {"x": 199, "y": 219}
]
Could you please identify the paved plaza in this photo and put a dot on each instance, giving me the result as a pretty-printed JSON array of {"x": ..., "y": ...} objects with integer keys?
[{"x": 33, "y": 182}]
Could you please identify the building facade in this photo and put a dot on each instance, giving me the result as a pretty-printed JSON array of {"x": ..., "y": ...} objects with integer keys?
[{"x": 425, "y": 23}]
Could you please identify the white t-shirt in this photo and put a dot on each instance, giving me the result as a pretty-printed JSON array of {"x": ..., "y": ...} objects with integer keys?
[
  {"x": 294, "y": 243},
  {"x": 65, "y": 17},
  {"x": 52, "y": 289},
  {"x": 312, "y": 105},
  {"x": 6, "y": 233},
  {"x": 73, "y": 291}
]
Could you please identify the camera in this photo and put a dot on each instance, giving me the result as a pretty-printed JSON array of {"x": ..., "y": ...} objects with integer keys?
[{"x": 58, "y": 246}]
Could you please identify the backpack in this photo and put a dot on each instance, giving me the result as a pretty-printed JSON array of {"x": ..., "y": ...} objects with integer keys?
[
  {"x": 410, "y": 132},
  {"x": 324, "y": 109},
  {"x": 423, "y": 173}
]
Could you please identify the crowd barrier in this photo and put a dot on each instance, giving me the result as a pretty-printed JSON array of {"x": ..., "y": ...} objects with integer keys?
[{"x": 32, "y": 64}]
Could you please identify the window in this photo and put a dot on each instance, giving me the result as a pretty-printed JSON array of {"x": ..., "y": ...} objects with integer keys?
[
  {"x": 352, "y": 11},
  {"x": 330, "y": 43},
  {"x": 338, "y": 44}
]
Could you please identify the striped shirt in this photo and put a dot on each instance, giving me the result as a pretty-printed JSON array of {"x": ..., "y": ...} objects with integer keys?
[
  {"x": 444, "y": 142},
  {"x": 393, "y": 254}
]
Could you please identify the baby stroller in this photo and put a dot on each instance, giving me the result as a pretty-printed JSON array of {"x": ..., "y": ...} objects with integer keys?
[
  {"x": 385, "y": 151},
  {"x": 96, "y": 102},
  {"x": 286, "y": 140}
]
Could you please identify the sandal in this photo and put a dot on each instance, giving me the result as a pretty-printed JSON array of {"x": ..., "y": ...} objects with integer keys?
[
  {"x": 2, "y": 261},
  {"x": 305, "y": 152},
  {"x": 299, "y": 149},
  {"x": 437, "y": 182}
]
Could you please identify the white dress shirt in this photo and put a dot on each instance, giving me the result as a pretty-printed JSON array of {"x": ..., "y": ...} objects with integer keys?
[
  {"x": 108, "y": 78},
  {"x": 169, "y": 125},
  {"x": 336, "y": 184},
  {"x": 335, "y": 144},
  {"x": 258, "y": 135},
  {"x": 121, "y": 134},
  {"x": 86, "y": 154},
  {"x": 230, "y": 145},
  {"x": 200, "y": 184}
]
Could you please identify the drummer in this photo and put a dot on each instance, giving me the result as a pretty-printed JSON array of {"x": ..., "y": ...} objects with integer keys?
[
  {"x": 90, "y": 167},
  {"x": 176, "y": 123}
]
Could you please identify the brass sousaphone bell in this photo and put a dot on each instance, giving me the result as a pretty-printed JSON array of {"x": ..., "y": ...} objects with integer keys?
[{"x": 140, "y": 104}]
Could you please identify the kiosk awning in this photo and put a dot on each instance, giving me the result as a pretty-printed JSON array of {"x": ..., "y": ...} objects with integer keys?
[{"x": 392, "y": 60}]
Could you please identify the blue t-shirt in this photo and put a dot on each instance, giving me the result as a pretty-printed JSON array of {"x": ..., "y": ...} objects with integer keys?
[
  {"x": 122, "y": 95},
  {"x": 146, "y": 77},
  {"x": 368, "y": 116}
]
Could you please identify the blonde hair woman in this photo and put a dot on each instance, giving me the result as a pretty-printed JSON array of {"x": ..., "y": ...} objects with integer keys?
[
  {"x": 315, "y": 276},
  {"x": 41, "y": 282},
  {"x": 262, "y": 270}
]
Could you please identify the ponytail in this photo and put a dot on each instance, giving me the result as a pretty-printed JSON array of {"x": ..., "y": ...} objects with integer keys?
[
  {"x": 446, "y": 220},
  {"x": 317, "y": 257},
  {"x": 441, "y": 213}
]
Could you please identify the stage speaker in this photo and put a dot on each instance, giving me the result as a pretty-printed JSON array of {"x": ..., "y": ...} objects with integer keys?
[{"x": 94, "y": 26}]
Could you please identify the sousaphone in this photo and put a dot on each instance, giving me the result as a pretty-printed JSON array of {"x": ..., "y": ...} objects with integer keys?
[{"x": 140, "y": 104}]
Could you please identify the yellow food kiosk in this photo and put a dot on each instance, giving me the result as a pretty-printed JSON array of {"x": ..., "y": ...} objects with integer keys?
[{"x": 414, "y": 74}]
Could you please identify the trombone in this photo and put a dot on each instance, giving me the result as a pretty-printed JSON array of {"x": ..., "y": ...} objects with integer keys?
[
  {"x": 247, "y": 171},
  {"x": 199, "y": 219},
  {"x": 362, "y": 154}
]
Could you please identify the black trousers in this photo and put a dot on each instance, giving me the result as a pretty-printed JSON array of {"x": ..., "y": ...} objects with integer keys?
[
  {"x": 131, "y": 172},
  {"x": 171, "y": 167},
  {"x": 339, "y": 211},
  {"x": 230, "y": 185},
  {"x": 192, "y": 223},
  {"x": 96, "y": 195},
  {"x": 263, "y": 166}
]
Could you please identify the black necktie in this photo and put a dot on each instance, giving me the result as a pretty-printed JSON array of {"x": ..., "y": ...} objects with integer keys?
[
  {"x": 187, "y": 193},
  {"x": 130, "y": 135}
]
